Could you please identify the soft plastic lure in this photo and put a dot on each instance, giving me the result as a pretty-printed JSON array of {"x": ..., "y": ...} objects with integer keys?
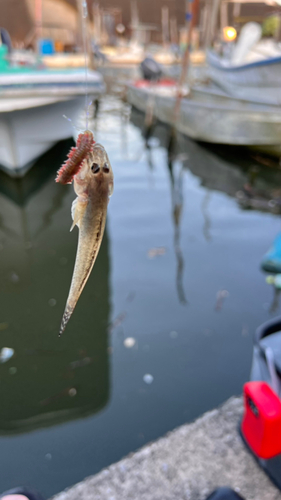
[{"x": 76, "y": 156}]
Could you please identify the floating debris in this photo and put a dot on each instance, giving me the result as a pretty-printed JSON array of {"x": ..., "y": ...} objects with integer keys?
[
  {"x": 117, "y": 321},
  {"x": 80, "y": 363},
  {"x": 52, "y": 302},
  {"x": 13, "y": 370},
  {"x": 245, "y": 331},
  {"x": 3, "y": 326},
  {"x": 148, "y": 379},
  {"x": 68, "y": 391},
  {"x": 6, "y": 353},
  {"x": 48, "y": 456},
  {"x": 250, "y": 198},
  {"x": 173, "y": 334},
  {"x": 14, "y": 278},
  {"x": 156, "y": 252},
  {"x": 131, "y": 296},
  {"x": 129, "y": 342},
  {"x": 221, "y": 296}
]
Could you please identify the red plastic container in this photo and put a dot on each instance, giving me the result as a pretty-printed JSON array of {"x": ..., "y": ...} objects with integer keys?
[{"x": 261, "y": 425}]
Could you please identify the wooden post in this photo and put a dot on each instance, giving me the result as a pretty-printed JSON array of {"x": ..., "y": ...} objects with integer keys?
[
  {"x": 134, "y": 19},
  {"x": 38, "y": 20},
  {"x": 165, "y": 25},
  {"x": 223, "y": 15},
  {"x": 174, "y": 31},
  {"x": 214, "y": 20},
  {"x": 189, "y": 20},
  {"x": 79, "y": 25},
  {"x": 236, "y": 10},
  {"x": 97, "y": 22}
]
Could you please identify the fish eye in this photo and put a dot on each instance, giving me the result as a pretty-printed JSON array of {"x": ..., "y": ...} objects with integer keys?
[
  {"x": 106, "y": 168},
  {"x": 95, "y": 168}
]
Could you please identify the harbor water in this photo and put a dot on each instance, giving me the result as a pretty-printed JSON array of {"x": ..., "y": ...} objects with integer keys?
[{"x": 163, "y": 330}]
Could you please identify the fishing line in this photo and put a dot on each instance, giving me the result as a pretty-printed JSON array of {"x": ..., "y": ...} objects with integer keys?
[
  {"x": 88, "y": 113},
  {"x": 69, "y": 120},
  {"x": 84, "y": 35},
  {"x": 84, "y": 9}
]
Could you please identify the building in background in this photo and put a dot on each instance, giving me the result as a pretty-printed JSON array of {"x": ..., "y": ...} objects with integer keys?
[
  {"x": 159, "y": 21},
  {"x": 59, "y": 21}
]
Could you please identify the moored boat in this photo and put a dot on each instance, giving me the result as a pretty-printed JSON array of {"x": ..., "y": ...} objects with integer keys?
[
  {"x": 33, "y": 101},
  {"x": 210, "y": 115},
  {"x": 257, "y": 81}
]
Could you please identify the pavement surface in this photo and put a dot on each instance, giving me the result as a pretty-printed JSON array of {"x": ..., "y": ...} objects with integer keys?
[{"x": 186, "y": 464}]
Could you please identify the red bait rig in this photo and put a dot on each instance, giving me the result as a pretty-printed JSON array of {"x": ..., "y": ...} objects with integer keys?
[{"x": 76, "y": 156}]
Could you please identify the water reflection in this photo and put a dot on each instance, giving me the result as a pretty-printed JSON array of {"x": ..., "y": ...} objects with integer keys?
[
  {"x": 47, "y": 380},
  {"x": 274, "y": 306},
  {"x": 224, "y": 169},
  {"x": 198, "y": 355},
  {"x": 176, "y": 178},
  {"x": 206, "y": 215}
]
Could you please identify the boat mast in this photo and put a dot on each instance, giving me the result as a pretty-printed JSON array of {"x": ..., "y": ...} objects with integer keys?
[{"x": 165, "y": 25}]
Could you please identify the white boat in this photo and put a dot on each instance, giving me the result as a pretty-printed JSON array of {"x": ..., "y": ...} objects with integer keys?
[
  {"x": 208, "y": 114},
  {"x": 32, "y": 105},
  {"x": 257, "y": 81},
  {"x": 252, "y": 70}
]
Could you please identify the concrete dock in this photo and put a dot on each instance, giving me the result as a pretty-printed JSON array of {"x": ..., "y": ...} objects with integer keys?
[{"x": 186, "y": 464}]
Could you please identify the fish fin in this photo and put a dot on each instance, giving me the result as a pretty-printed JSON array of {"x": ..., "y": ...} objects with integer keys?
[
  {"x": 78, "y": 208},
  {"x": 66, "y": 316}
]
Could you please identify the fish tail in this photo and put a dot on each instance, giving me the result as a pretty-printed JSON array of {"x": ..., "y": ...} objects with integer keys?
[{"x": 66, "y": 317}]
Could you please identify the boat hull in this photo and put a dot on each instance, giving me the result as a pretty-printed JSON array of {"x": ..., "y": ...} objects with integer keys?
[
  {"x": 25, "y": 134},
  {"x": 215, "y": 118},
  {"x": 32, "y": 106}
]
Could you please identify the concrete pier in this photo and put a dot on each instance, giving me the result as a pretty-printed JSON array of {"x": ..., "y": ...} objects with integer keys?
[{"x": 186, "y": 464}]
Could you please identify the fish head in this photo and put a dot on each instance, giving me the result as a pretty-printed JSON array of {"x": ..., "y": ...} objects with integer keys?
[
  {"x": 96, "y": 173},
  {"x": 100, "y": 168}
]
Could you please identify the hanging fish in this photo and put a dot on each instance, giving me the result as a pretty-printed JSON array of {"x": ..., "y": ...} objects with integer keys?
[{"x": 89, "y": 167}]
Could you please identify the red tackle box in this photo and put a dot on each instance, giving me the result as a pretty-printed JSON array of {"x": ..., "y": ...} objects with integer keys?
[{"x": 261, "y": 424}]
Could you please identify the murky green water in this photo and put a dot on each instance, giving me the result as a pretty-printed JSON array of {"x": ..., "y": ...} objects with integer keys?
[{"x": 175, "y": 238}]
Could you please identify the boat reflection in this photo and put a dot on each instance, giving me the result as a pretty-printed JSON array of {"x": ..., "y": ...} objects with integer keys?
[
  {"x": 47, "y": 380},
  {"x": 254, "y": 181},
  {"x": 229, "y": 170}
]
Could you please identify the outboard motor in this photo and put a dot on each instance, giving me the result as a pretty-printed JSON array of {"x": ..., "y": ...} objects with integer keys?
[
  {"x": 6, "y": 39},
  {"x": 261, "y": 423},
  {"x": 150, "y": 69}
]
